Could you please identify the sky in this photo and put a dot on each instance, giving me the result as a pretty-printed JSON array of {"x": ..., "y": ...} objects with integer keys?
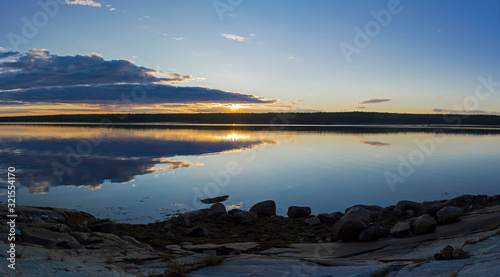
[{"x": 93, "y": 56}]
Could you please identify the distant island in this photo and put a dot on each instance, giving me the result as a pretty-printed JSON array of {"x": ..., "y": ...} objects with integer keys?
[{"x": 317, "y": 118}]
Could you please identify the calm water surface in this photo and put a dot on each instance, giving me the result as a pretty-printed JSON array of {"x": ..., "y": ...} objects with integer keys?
[{"x": 141, "y": 174}]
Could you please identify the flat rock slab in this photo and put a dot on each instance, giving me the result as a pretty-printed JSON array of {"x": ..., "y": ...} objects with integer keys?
[
  {"x": 241, "y": 246},
  {"x": 282, "y": 267}
]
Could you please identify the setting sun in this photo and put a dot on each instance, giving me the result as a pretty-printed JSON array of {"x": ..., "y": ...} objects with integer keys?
[{"x": 234, "y": 107}]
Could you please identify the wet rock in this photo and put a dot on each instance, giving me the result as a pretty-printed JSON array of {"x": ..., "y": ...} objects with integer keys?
[
  {"x": 194, "y": 216},
  {"x": 351, "y": 224},
  {"x": 49, "y": 239},
  {"x": 216, "y": 210},
  {"x": 312, "y": 221},
  {"x": 447, "y": 252},
  {"x": 423, "y": 225},
  {"x": 327, "y": 218},
  {"x": 404, "y": 205},
  {"x": 431, "y": 208},
  {"x": 245, "y": 218},
  {"x": 264, "y": 208},
  {"x": 460, "y": 254},
  {"x": 401, "y": 229},
  {"x": 196, "y": 231},
  {"x": 375, "y": 211},
  {"x": 296, "y": 211},
  {"x": 107, "y": 226},
  {"x": 449, "y": 215}
]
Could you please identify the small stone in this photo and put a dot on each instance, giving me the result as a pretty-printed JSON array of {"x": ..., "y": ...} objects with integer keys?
[
  {"x": 447, "y": 252},
  {"x": 295, "y": 211},
  {"x": 327, "y": 218},
  {"x": 328, "y": 240},
  {"x": 423, "y": 225},
  {"x": 264, "y": 208},
  {"x": 460, "y": 254},
  {"x": 167, "y": 226},
  {"x": 170, "y": 235},
  {"x": 264, "y": 238}
]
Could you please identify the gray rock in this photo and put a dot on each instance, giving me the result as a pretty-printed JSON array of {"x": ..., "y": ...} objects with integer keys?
[
  {"x": 193, "y": 216},
  {"x": 401, "y": 229},
  {"x": 49, "y": 239},
  {"x": 81, "y": 237},
  {"x": 404, "y": 205},
  {"x": 312, "y": 221},
  {"x": 351, "y": 224},
  {"x": 327, "y": 218},
  {"x": 245, "y": 218},
  {"x": 460, "y": 254},
  {"x": 296, "y": 211},
  {"x": 431, "y": 208},
  {"x": 196, "y": 231},
  {"x": 369, "y": 234},
  {"x": 449, "y": 215},
  {"x": 216, "y": 210},
  {"x": 447, "y": 252},
  {"x": 375, "y": 211},
  {"x": 423, "y": 225},
  {"x": 264, "y": 208}
]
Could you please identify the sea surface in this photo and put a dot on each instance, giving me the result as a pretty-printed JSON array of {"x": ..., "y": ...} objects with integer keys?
[{"x": 143, "y": 173}]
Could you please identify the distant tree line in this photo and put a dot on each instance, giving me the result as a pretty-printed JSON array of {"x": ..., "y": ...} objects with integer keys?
[{"x": 341, "y": 118}]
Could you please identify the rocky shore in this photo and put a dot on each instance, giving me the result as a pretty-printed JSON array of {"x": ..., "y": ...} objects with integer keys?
[{"x": 442, "y": 238}]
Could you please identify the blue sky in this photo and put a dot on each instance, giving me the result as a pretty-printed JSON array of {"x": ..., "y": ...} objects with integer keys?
[{"x": 254, "y": 55}]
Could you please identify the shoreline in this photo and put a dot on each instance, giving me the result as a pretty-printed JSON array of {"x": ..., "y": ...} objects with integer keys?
[{"x": 207, "y": 237}]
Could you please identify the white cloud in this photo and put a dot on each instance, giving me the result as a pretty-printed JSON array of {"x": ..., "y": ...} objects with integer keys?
[
  {"x": 233, "y": 37},
  {"x": 175, "y": 38},
  {"x": 90, "y": 3}
]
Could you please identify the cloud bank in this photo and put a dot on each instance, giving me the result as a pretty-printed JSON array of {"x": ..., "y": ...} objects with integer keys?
[
  {"x": 375, "y": 101},
  {"x": 38, "y": 77}
]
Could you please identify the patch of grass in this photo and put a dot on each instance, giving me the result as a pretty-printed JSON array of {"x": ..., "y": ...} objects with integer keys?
[
  {"x": 176, "y": 270},
  {"x": 381, "y": 273},
  {"x": 213, "y": 260},
  {"x": 470, "y": 241},
  {"x": 167, "y": 256}
]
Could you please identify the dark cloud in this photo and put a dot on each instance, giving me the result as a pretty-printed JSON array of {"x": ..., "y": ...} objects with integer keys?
[
  {"x": 38, "y": 68},
  {"x": 7, "y": 54},
  {"x": 375, "y": 100},
  {"x": 376, "y": 143},
  {"x": 127, "y": 94},
  {"x": 39, "y": 77}
]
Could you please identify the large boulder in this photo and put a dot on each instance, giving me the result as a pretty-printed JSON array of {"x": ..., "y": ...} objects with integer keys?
[
  {"x": 352, "y": 223},
  {"x": 327, "y": 218},
  {"x": 401, "y": 229},
  {"x": 404, "y": 205},
  {"x": 431, "y": 208},
  {"x": 49, "y": 239},
  {"x": 295, "y": 211},
  {"x": 463, "y": 200},
  {"x": 423, "y": 225},
  {"x": 194, "y": 216},
  {"x": 449, "y": 215},
  {"x": 245, "y": 218},
  {"x": 370, "y": 234},
  {"x": 216, "y": 210},
  {"x": 375, "y": 211},
  {"x": 264, "y": 208}
]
